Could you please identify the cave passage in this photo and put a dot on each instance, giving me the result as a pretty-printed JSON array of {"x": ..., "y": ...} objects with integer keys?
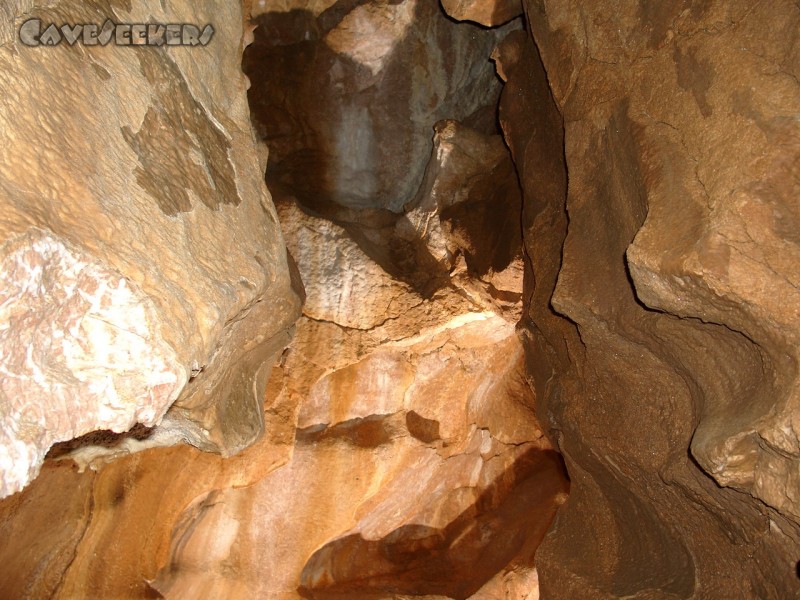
[
  {"x": 402, "y": 210},
  {"x": 488, "y": 251},
  {"x": 397, "y": 452}
]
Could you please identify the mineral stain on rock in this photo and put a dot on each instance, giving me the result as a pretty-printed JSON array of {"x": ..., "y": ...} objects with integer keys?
[
  {"x": 454, "y": 559},
  {"x": 183, "y": 155}
]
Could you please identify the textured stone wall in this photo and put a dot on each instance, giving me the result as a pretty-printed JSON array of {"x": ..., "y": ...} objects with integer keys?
[
  {"x": 346, "y": 96},
  {"x": 656, "y": 147},
  {"x": 401, "y": 456},
  {"x": 663, "y": 292},
  {"x": 401, "y": 453},
  {"x": 142, "y": 265}
]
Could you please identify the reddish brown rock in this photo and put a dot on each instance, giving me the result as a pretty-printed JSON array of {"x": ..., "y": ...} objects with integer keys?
[
  {"x": 423, "y": 428},
  {"x": 656, "y": 147},
  {"x": 674, "y": 371}
]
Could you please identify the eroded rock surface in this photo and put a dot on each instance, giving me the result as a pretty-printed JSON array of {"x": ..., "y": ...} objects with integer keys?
[
  {"x": 401, "y": 456},
  {"x": 141, "y": 261},
  {"x": 420, "y": 421},
  {"x": 656, "y": 146},
  {"x": 671, "y": 385}
]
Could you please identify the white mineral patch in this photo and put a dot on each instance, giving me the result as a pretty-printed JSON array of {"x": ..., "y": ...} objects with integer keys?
[
  {"x": 80, "y": 350},
  {"x": 487, "y": 322}
]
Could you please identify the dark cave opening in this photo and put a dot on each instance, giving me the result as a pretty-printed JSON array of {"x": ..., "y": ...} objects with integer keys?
[{"x": 351, "y": 132}]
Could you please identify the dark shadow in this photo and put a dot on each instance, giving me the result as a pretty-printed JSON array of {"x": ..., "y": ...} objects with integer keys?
[
  {"x": 364, "y": 432},
  {"x": 489, "y": 220},
  {"x": 308, "y": 102},
  {"x": 103, "y": 438},
  {"x": 425, "y": 430},
  {"x": 505, "y": 525}
]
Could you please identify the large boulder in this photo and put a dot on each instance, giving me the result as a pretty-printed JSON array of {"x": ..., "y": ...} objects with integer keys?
[{"x": 142, "y": 265}]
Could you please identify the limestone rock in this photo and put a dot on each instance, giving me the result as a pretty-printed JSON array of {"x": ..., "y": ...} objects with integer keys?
[
  {"x": 315, "y": 7},
  {"x": 469, "y": 201},
  {"x": 346, "y": 98},
  {"x": 400, "y": 451},
  {"x": 337, "y": 281},
  {"x": 671, "y": 384},
  {"x": 142, "y": 263},
  {"x": 400, "y": 457},
  {"x": 424, "y": 431},
  {"x": 486, "y": 12},
  {"x": 361, "y": 145}
]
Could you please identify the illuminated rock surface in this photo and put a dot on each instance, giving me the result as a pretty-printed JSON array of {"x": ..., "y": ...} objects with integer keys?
[
  {"x": 402, "y": 456},
  {"x": 643, "y": 227},
  {"x": 141, "y": 260}
]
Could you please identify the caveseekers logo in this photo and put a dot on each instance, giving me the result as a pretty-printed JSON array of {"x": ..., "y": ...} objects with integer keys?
[{"x": 32, "y": 33}]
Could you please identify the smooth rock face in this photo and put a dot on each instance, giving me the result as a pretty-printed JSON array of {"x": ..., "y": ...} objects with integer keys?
[
  {"x": 671, "y": 385},
  {"x": 141, "y": 261}
]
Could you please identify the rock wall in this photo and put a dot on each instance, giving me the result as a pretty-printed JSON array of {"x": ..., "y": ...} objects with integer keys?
[
  {"x": 142, "y": 267},
  {"x": 663, "y": 311},
  {"x": 656, "y": 150},
  {"x": 345, "y": 96},
  {"x": 401, "y": 455}
]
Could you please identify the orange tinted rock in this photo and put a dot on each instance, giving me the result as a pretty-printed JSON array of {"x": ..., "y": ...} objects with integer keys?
[{"x": 406, "y": 450}]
